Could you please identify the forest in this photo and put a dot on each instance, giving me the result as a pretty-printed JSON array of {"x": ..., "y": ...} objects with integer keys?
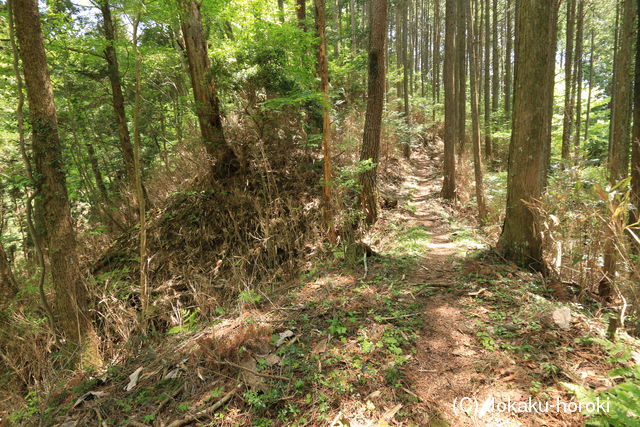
[{"x": 320, "y": 212}]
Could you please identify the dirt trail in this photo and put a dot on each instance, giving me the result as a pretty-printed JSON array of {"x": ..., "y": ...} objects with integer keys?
[{"x": 450, "y": 363}]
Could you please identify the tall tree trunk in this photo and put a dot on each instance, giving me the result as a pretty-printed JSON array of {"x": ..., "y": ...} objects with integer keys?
[
  {"x": 587, "y": 120},
  {"x": 577, "y": 73},
  {"x": 618, "y": 165},
  {"x": 142, "y": 215},
  {"x": 635, "y": 137},
  {"x": 520, "y": 240},
  {"x": 495, "y": 81},
  {"x": 337, "y": 17},
  {"x": 507, "y": 60},
  {"x": 301, "y": 14},
  {"x": 281, "y": 10},
  {"x": 373, "y": 117},
  {"x": 399, "y": 49},
  {"x": 352, "y": 17},
  {"x": 117, "y": 98},
  {"x": 323, "y": 66},
  {"x": 436, "y": 51},
  {"x": 487, "y": 80},
  {"x": 406, "y": 66},
  {"x": 204, "y": 91},
  {"x": 66, "y": 276},
  {"x": 461, "y": 78},
  {"x": 567, "y": 122},
  {"x": 472, "y": 47},
  {"x": 450, "y": 78},
  {"x": 548, "y": 90}
]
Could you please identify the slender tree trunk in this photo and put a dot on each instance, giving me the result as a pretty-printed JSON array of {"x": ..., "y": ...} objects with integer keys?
[
  {"x": 578, "y": 77},
  {"x": 399, "y": 49},
  {"x": 461, "y": 78},
  {"x": 567, "y": 123},
  {"x": 450, "y": 78},
  {"x": 117, "y": 98},
  {"x": 507, "y": 60},
  {"x": 618, "y": 165},
  {"x": 436, "y": 51},
  {"x": 487, "y": 81},
  {"x": 281, "y": 10},
  {"x": 587, "y": 120},
  {"x": 142, "y": 231},
  {"x": 204, "y": 92},
  {"x": 337, "y": 16},
  {"x": 406, "y": 66},
  {"x": 520, "y": 240},
  {"x": 495, "y": 81},
  {"x": 472, "y": 47},
  {"x": 352, "y": 17},
  {"x": 548, "y": 90},
  {"x": 323, "y": 66},
  {"x": 8, "y": 283},
  {"x": 66, "y": 276},
  {"x": 370, "y": 151}
]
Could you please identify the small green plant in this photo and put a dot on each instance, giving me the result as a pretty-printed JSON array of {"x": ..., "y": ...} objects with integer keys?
[
  {"x": 249, "y": 296},
  {"x": 337, "y": 328}
]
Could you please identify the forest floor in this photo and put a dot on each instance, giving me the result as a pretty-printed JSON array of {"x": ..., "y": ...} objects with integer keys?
[{"x": 431, "y": 318}]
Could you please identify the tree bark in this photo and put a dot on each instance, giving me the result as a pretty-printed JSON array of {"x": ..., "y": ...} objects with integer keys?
[
  {"x": 635, "y": 138},
  {"x": 472, "y": 45},
  {"x": 577, "y": 73},
  {"x": 117, "y": 98},
  {"x": 301, "y": 14},
  {"x": 618, "y": 164},
  {"x": 450, "y": 105},
  {"x": 487, "y": 81},
  {"x": 521, "y": 240},
  {"x": 587, "y": 120},
  {"x": 461, "y": 78},
  {"x": 436, "y": 51},
  {"x": 406, "y": 66},
  {"x": 66, "y": 276},
  {"x": 323, "y": 66},
  {"x": 204, "y": 92},
  {"x": 507, "y": 60},
  {"x": 495, "y": 81},
  {"x": 373, "y": 117},
  {"x": 567, "y": 122}
]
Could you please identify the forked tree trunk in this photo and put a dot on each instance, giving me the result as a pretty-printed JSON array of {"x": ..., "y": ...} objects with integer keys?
[
  {"x": 204, "y": 91},
  {"x": 521, "y": 241},
  {"x": 618, "y": 165},
  {"x": 450, "y": 106},
  {"x": 66, "y": 276},
  {"x": 373, "y": 117},
  {"x": 117, "y": 98},
  {"x": 472, "y": 47}
]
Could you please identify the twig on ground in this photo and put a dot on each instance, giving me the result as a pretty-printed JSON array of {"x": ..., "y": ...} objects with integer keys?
[
  {"x": 192, "y": 418},
  {"x": 261, "y": 374}
]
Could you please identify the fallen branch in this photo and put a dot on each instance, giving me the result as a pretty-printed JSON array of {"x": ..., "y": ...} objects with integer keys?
[
  {"x": 205, "y": 412},
  {"x": 260, "y": 374}
]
